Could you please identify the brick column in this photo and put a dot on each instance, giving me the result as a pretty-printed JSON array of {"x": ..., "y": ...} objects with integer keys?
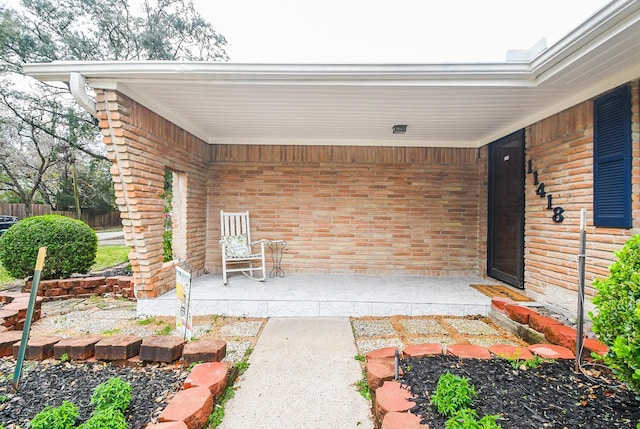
[{"x": 140, "y": 144}]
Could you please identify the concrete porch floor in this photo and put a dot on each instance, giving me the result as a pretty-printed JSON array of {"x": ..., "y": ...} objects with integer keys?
[{"x": 318, "y": 295}]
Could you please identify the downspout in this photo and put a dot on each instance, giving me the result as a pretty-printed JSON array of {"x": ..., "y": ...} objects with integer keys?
[{"x": 78, "y": 87}]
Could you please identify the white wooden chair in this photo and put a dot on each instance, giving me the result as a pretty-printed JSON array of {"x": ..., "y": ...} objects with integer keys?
[{"x": 236, "y": 245}]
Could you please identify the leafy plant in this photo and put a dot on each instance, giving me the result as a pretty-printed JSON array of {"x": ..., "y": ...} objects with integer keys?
[
  {"x": 453, "y": 393},
  {"x": 215, "y": 419},
  {"x": 617, "y": 321},
  {"x": 466, "y": 418},
  {"x": 518, "y": 363},
  {"x": 62, "y": 417},
  {"x": 165, "y": 330},
  {"x": 71, "y": 246},
  {"x": 363, "y": 387},
  {"x": 243, "y": 365},
  {"x": 145, "y": 321},
  {"x": 108, "y": 418},
  {"x": 193, "y": 364},
  {"x": 115, "y": 393},
  {"x": 359, "y": 358},
  {"x": 64, "y": 358}
]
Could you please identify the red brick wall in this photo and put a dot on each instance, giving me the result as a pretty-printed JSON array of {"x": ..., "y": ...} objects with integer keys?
[
  {"x": 561, "y": 150},
  {"x": 140, "y": 145},
  {"x": 362, "y": 210}
]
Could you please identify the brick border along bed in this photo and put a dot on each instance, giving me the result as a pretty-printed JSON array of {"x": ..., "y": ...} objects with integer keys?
[{"x": 392, "y": 401}]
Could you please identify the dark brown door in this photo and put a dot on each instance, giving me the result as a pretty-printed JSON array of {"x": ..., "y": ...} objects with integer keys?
[{"x": 506, "y": 210}]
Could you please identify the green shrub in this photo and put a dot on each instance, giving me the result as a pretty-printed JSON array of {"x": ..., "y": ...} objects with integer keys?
[
  {"x": 453, "y": 393},
  {"x": 617, "y": 321},
  {"x": 108, "y": 418},
  {"x": 62, "y": 417},
  {"x": 71, "y": 246},
  {"x": 114, "y": 394}
]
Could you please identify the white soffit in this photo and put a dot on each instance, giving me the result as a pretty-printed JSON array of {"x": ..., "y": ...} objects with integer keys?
[{"x": 455, "y": 105}]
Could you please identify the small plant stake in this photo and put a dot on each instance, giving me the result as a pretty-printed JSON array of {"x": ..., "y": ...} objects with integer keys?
[
  {"x": 397, "y": 360},
  {"x": 42, "y": 253}
]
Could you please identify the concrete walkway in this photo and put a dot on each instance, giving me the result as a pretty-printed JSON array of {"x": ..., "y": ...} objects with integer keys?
[{"x": 301, "y": 375}]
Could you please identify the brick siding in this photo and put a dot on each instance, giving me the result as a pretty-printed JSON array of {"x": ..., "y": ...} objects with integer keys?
[
  {"x": 363, "y": 210},
  {"x": 561, "y": 150}
]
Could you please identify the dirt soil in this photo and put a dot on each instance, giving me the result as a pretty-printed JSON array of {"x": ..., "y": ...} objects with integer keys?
[{"x": 551, "y": 395}]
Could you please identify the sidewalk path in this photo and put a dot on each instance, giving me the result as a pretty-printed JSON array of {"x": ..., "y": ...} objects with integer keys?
[{"x": 301, "y": 376}]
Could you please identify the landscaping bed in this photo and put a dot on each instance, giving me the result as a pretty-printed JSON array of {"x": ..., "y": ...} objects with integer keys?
[
  {"x": 550, "y": 395},
  {"x": 49, "y": 384}
]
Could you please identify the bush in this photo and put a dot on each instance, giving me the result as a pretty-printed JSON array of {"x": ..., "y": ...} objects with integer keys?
[
  {"x": 62, "y": 417},
  {"x": 71, "y": 246},
  {"x": 617, "y": 322}
]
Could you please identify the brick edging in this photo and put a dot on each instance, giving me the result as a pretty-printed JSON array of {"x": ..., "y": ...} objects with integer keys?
[
  {"x": 553, "y": 330},
  {"x": 84, "y": 287},
  {"x": 380, "y": 372},
  {"x": 380, "y": 364},
  {"x": 188, "y": 408}
]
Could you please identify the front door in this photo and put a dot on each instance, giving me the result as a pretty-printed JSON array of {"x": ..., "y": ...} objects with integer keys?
[{"x": 505, "y": 245}]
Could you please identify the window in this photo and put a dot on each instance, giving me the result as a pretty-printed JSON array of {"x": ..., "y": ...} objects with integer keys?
[{"x": 612, "y": 159}]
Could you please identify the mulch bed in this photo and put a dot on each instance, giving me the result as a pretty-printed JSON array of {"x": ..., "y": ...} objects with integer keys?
[
  {"x": 549, "y": 396},
  {"x": 45, "y": 384}
]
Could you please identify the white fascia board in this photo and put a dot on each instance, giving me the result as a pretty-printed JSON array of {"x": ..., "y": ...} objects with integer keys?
[
  {"x": 288, "y": 74},
  {"x": 344, "y": 142},
  {"x": 612, "y": 19}
]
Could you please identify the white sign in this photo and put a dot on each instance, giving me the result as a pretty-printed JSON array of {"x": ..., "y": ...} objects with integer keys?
[{"x": 184, "y": 320}]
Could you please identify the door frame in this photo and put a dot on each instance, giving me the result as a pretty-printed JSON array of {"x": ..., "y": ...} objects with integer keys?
[{"x": 517, "y": 279}]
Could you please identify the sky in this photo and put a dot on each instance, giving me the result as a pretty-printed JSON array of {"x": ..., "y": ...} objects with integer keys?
[{"x": 389, "y": 31}]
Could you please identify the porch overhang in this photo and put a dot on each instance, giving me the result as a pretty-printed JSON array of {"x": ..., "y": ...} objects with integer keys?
[{"x": 443, "y": 105}]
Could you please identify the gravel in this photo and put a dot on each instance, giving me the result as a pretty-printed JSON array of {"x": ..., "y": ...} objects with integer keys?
[
  {"x": 241, "y": 329},
  {"x": 471, "y": 327},
  {"x": 422, "y": 326},
  {"x": 372, "y": 328},
  {"x": 365, "y": 345}
]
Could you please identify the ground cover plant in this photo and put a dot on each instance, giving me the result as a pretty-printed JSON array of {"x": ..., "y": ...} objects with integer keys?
[{"x": 549, "y": 395}]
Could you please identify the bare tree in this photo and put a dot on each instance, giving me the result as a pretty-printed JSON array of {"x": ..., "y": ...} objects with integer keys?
[{"x": 49, "y": 30}]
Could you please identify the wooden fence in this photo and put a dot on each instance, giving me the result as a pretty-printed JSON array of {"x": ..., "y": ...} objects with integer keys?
[{"x": 104, "y": 221}]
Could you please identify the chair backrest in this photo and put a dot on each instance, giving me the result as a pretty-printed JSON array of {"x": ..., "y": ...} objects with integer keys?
[{"x": 232, "y": 224}]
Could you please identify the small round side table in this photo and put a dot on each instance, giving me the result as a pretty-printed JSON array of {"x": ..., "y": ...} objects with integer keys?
[{"x": 276, "y": 246}]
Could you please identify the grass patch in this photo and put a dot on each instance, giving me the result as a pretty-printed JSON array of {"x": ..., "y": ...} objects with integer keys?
[{"x": 110, "y": 256}]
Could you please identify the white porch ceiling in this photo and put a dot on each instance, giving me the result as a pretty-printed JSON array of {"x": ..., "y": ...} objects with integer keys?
[{"x": 457, "y": 105}]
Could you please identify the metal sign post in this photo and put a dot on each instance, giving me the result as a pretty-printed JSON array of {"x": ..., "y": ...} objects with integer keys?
[
  {"x": 42, "y": 252},
  {"x": 581, "y": 269}
]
